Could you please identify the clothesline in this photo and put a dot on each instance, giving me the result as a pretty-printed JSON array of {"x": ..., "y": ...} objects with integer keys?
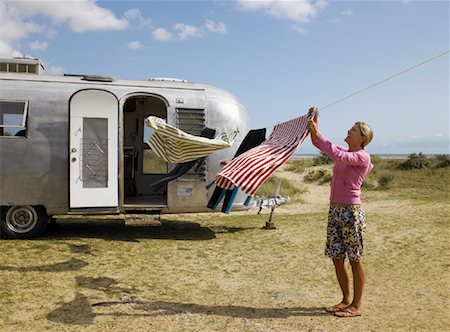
[{"x": 380, "y": 82}]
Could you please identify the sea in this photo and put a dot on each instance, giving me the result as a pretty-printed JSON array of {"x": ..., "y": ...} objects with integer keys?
[{"x": 383, "y": 156}]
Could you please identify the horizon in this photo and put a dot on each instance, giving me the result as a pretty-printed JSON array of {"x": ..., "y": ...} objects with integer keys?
[
  {"x": 380, "y": 154},
  {"x": 290, "y": 56}
]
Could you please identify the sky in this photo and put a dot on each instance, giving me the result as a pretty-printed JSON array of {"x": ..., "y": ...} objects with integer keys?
[{"x": 277, "y": 57}]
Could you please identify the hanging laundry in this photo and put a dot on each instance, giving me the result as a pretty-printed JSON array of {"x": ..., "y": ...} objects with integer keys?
[
  {"x": 253, "y": 138},
  {"x": 182, "y": 168},
  {"x": 270, "y": 202},
  {"x": 249, "y": 171},
  {"x": 176, "y": 146}
]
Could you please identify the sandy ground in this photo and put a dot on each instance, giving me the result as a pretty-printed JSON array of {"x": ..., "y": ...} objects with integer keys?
[
  {"x": 216, "y": 272},
  {"x": 316, "y": 199}
]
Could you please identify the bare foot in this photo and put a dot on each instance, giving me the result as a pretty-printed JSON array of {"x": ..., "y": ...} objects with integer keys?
[
  {"x": 338, "y": 307},
  {"x": 348, "y": 312}
]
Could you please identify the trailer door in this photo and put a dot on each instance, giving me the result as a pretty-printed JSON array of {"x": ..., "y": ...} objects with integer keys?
[{"x": 93, "y": 150}]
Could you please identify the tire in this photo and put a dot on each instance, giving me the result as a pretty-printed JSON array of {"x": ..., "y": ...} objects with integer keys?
[{"x": 23, "y": 221}]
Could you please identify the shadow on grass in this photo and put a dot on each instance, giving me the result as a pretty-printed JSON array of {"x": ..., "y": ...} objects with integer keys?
[
  {"x": 160, "y": 308},
  {"x": 116, "y": 230},
  {"x": 83, "y": 249},
  {"x": 102, "y": 284},
  {"x": 231, "y": 230},
  {"x": 76, "y": 312},
  {"x": 79, "y": 310},
  {"x": 73, "y": 264}
]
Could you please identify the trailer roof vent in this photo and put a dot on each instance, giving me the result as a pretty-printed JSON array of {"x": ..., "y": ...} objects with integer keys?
[
  {"x": 98, "y": 78},
  {"x": 167, "y": 79},
  {"x": 21, "y": 66}
]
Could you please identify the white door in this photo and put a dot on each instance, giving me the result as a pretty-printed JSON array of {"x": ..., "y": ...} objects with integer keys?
[{"x": 93, "y": 149}]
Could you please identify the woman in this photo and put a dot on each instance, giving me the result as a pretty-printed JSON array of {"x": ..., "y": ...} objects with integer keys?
[{"x": 346, "y": 218}]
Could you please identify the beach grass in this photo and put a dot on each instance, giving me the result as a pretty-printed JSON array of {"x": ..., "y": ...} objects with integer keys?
[{"x": 216, "y": 272}]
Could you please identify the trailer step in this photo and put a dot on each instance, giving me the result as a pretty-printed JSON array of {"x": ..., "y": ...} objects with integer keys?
[
  {"x": 93, "y": 211},
  {"x": 134, "y": 210},
  {"x": 142, "y": 220}
]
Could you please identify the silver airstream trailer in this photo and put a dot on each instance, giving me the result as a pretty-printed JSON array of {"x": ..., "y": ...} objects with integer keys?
[{"x": 76, "y": 144}]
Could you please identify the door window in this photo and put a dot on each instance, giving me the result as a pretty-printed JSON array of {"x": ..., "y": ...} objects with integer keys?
[{"x": 95, "y": 153}]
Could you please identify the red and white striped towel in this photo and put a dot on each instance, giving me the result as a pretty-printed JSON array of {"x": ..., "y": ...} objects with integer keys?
[{"x": 249, "y": 170}]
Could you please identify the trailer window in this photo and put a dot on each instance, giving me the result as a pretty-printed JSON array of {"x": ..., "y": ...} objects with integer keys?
[{"x": 13, "y": 118}]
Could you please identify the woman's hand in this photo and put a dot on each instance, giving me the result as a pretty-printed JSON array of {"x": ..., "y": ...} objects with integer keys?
[
  {"x": 311, "y": 110},
  {"x": 312, "y": 127},
  {"x": 312, "y": 124}
]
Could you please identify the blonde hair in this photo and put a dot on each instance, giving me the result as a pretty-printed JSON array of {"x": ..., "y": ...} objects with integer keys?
[{"x": 366, "y": 133}]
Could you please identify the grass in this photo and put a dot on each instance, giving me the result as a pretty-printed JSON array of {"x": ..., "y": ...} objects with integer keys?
[
  {"x": 421, "y": 185},
  {"x": 213, "y": 272},
  {"x": 298, "y": 165},
  {"x": 286, "y": 188}
]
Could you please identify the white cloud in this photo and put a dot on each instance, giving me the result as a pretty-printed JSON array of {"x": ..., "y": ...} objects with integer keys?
[
  {"x": 163, "y": 34},
  {"x": 58, "y": 71},
  {"x": 51, "y": 34},
  {"x": 181, "y": 31},
  {"x": 298, "y": 28},
  {"x": 133, "y": 14},
  {"x": 298, "y": 11},
  {"x": 7, "y": 51},
  {"x": 250, "y": 5},
  {"x": 216, "y": 27},
  {"x": 38, "y": 46},
  {"x": 136, "y": 15},
  {"x": 185, "y": 31},
  {"x": 347, "y": 12},
  {"x": 14, "y": 27},
  {"x": 81, "y": 16},
  {"x": 17, "y": 23},
  {"x": 134, "y": 45},
  {"x": 48, "y": 69},
  {"x": 344, "y": 14}
]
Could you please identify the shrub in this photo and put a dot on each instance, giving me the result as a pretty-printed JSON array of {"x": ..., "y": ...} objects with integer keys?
[
  {"x": 442, "y": 160},
  {"x": 326, "y": 178},
  {"x": 320, "y": 175},
  {"x": 385, "y": 181},
  {"x": 375, "y": 159},
  {"x": 287, "y": 188},
  {"x": 369, "y": 184},
  {"x": 322, "y": 159},
  {"x": 296, "y": 166},
  {"x": 415, "y": 161},
  {"x": 313, "y": 175}
]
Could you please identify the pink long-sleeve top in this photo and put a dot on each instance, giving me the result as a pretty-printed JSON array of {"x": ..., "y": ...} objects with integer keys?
[{"x": 349, "y": 171}]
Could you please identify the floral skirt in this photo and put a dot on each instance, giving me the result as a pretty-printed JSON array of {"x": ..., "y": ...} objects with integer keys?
[{"x": 345, "y": 232}]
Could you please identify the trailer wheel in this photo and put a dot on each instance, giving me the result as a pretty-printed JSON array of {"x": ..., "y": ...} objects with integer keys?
[{"x": 23, "y": 221}]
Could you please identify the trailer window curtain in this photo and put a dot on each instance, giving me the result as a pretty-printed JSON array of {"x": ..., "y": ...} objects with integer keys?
[{"x": 13, "y": 118}]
